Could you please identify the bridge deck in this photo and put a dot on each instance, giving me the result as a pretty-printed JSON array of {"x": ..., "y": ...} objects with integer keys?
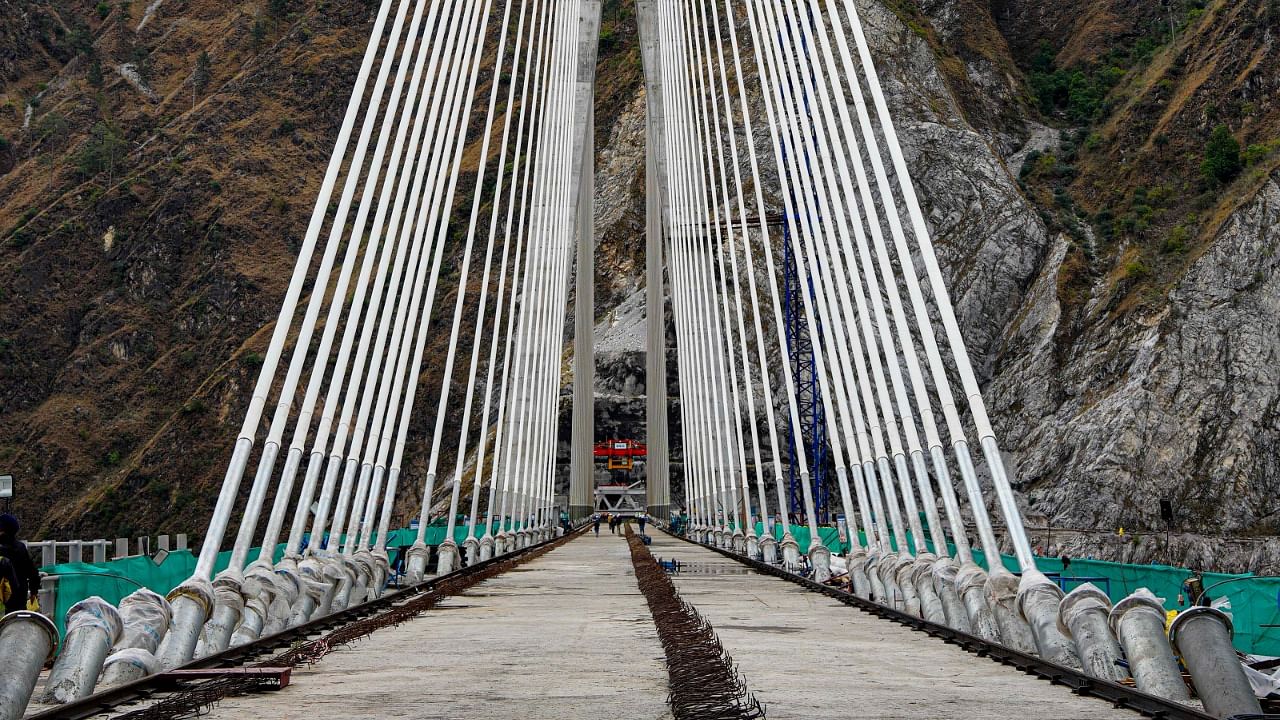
[
  {"x": 569, "y": 636},
  {"x": 805, "y": 655},
  {"x": 566, "y": 636}
]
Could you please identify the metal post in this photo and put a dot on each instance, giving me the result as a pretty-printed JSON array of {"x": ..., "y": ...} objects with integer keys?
[
  {"x": 93, "y": 626},
  {"x": 27, "y": 641},
  {"x": 1083, "y": 617},
  {"x": 1039, "y": 599},
  {"x": 1138, "y": 621},
  {"x": 1203, "y": 636},
  {"x": 122, "y": 548}
]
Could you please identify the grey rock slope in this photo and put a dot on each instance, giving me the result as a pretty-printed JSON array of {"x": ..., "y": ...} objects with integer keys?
[{"x": 1098, "y": 425}]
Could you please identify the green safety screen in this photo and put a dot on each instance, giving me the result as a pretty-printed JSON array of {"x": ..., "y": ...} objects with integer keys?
[{"x": 1254, "y": 600}]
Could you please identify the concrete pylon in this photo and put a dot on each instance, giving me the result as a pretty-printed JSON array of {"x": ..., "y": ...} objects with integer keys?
[
  {"x": 582, "y": 464},
  {"x": 657, "y": 462}
]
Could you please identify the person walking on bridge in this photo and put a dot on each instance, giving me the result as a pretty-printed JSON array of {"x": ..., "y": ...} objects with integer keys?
[
  {"x": 641, "y": 520},
  {"x": 26, "y": 581},
  {"x": 595, "y": 523}
]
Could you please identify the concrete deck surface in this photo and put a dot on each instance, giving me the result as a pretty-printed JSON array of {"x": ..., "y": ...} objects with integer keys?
[
  {"x": 567, "y": 635},
  {"x": 805, "y": 655}
]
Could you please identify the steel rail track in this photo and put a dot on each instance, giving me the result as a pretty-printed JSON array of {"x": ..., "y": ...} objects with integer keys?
[
  {"x": 1121, "y": 696},
  {"x": 162, "y": 683}
]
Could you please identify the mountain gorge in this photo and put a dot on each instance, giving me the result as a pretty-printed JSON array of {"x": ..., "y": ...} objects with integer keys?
[{"x": 1100, "y": 177}]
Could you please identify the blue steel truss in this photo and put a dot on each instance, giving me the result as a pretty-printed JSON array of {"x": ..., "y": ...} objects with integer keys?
[{"x": 813, "y": 418}]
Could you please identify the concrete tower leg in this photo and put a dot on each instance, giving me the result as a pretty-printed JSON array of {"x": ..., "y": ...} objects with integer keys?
[
  {"x": 582, "y": 467},
  {"x": 657, "y": 462}
]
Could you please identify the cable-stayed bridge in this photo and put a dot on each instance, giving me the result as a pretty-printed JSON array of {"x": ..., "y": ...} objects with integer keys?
[{"x": 817, "y": 350}]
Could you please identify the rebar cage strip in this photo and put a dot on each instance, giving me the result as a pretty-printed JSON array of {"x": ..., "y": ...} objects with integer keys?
[{"x": 703, "y": 680}]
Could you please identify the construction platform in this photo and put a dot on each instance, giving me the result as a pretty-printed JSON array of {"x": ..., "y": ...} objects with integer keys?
[
  {"x": 569, "y": 636},
  {"x": 806, "y": 655}
]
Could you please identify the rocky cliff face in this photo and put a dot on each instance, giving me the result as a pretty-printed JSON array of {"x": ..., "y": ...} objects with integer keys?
[{"x": 1121, "y": 311}]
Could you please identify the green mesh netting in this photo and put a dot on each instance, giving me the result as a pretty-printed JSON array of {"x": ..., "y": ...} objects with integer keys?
[
  {"x": 1255, "y": 601},
  {"x": 114, "y": 579}
]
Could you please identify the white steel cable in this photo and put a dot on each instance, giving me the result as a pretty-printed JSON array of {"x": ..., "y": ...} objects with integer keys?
[
  {"x": 928, "y": 340},
  {"x": 438, "y": 217},
  {"x": 525, "y": 111},
  {"x": 762, "y": 359},
  {"x": 541, "y": 224},
  {"x": 361, "y": 384},
  {"x": 482, "y": 440},
  {"x": 775, "y": 300},
  {"x": 703, "y": 222},
  {"x": 828, "y": 354},
  {"x": 900, "y": 323},
  {"x": 770, "y": 62},
  {"x": 726, "y": 349},
  {"x": 465, "y": 425},
  {"x": 337, "y": 303},
  {"x": 699, "y": 287},
  {"x": 748, "y": 383},
  {"x": 227, "y": 494},
  {"x": 445, "y": 164},
  {"x": 512, "y": 365},
  {"x": 696, "y": 433},
  {"x": 535, "y": 286},
  {"x": 320, "y": 287},
  {"x": 561, "y": 223},
  {"x": 839, "y": 302},
  {"x": 723, "y": 348},
  {"x": 368, "y": 436},
  {"x": 942, "y": 300},
  {"x": 320, "y": 445}
]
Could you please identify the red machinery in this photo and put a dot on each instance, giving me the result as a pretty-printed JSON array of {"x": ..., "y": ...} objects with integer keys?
[{"x": 620, "y": 454}]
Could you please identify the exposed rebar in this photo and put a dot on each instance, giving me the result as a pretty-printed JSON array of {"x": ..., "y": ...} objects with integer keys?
[{"x": 704, "y": 683}]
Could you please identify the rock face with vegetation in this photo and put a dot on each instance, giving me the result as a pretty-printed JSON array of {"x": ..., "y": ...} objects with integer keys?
[{"x": 1100, "y": 176}]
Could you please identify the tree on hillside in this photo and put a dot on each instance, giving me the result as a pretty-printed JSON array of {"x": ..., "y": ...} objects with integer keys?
[
  {"x": 200, "y": 78},
  {"x": 95, "y": 74},
  {"x": 101, "y": 152},
  {"x": 1221, "y": 157}
]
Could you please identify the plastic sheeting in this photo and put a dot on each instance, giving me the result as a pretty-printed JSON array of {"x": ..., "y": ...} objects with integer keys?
[{"x": 146, "y": 617}]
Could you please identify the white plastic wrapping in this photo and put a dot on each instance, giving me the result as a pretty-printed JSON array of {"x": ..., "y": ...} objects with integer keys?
[
  {"x": 146, "y": 616},
  {"x": 125, "y": 666},
  {"x": 94, "y": 612},
  {"x": 1039, "y": 599}
]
